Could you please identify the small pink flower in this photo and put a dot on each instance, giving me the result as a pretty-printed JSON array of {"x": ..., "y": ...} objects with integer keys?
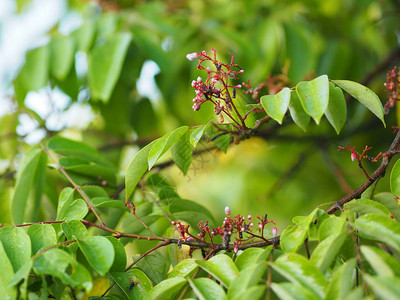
[
  {"x": 192, "y": 56},
  {"x": 236, "y": 249},
  {"x": 239, "y": 86},
  {"x": 249, "y": 217},
  {"x": 353, "y": 156},
  {"x": 227, "y": 211},
  {"x": 274, "y": 231}
]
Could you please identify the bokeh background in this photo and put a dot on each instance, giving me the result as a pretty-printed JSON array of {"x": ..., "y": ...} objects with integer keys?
[{"x": 51, "y": 50}]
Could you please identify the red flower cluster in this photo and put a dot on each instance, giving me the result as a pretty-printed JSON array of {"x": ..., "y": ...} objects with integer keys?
[{"x": 393, "y": 88}]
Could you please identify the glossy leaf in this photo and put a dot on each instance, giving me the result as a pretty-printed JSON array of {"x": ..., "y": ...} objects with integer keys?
[
  {"x": 154, "y": 265},
  {"x": 22, "y": 273},
  {"x": 341, "y": 282},
  {"x": 314, "y": 96},
  {"x": 105, "y": 64},
  {"x": 99, "y": 252},
  {"x": 184, "y": 268},
  {"x": 84, "y": 36},
  {"x": 380, "y": 228},
  {"x": 197, "y": 134},
  {"x": 182, "y": 152},
  {"x": 252, "y": 256},
  {"x": 166, "y": 289},
  {"x": 134, "y": 283},
  {"x": 17, "y": 245},
  {"x": 221, "y": 267},
  {"x": 395, "y": 179},
  {"x": 255, "y": 292},
  {"x": 326, "y": 251},
  {"x": 108, "y": 202},
  {"x": 74, "y": 230},
  {"x": 384, "y": 287},
  {"x": 62, "y": 265},
  {"x": 382, "y": 262},
  {"x": 336, "y": 113},
  {"x": 207, "y": 289},
  {"x": 6, "y": 274},
  {"x": 291, "y": 291},
  {"x": 41, "y": 235},
  {"x": 276, "y": 105},
  {"x": 389, "y": 201},
  {"x": 136, "y": 169},
  {"x": 299, "y": 270},
  {"x": 366, "y": 206},
  {"x": 248, "y": 277},
  {"x": 120, "y": 260},
  {"x": 70, "y": 208},
  {"x": 25, "y": 179},
  {"x": 363, "y": 94},
  {"x": 62, "y": 51},
  {"x": 331, "y": 226},
  {"x": 299, "y": 116},
  {"x": 163, "y": 144}
]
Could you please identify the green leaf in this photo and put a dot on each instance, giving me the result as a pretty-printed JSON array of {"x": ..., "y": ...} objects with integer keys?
[
  {"x": 99, "y": 252},
  {"x": 255, "y": 292},
  {"x": 134, "y": 283},
  {"x": 190, "y": 211},
  {"x": 166, "y": 289},
  {"x": 120, "y": 260},
  {"x": 165, "y": 142},
  {"x": 299, "y": 116},
  {"x": 331, "y": 226},
  {"x": 314, "y": 96},
  {"x": 290, "y": 291},
  {"x": 105, "y": 64},
  {"x": 70, "y": 209},
  {"x": 252, "y": 256},
  {"x": 22, "y": 273},
  {"x": 17, "y": 245},
  {"x": 395, "y": 179},
  {"x": 363, "y": 94},
  {"x": 389, "y": 201},
  {"x": 382, "y": 262},
  {"x": 108, "y": 202},
  {"x": 154, "y": 265},
  {"x": 62, "y": 51},
  {"x": 380, "y": 228},
  {"x": 41, "y": 235},
  {"x": 221, "y": 267},
  {"x": 182, "y": 152},
  {"x": 326, "y": 251},
  {"x": 25, "y": 178},
  {"x": 276, "y": 105},
  {"x": 84, "y": 36},
  {"x": 184, "y": 268},
  {"x": 222, "y": 142},
  {"x": 6, "y": 274},
  {"x": 248, "y": 277},
  {"x": 366, "y": 206},
  {"x": 336, "y": 113},
  {"x": 207, "y": 289},
  {"x": 62, "y": 265},
  {"x": 197, "y": 134},
  {"x": 136, "y": 169},
  {"x": 385, "y": 287},
  {"x": 74, "y": 230},
  {"x": 341, "y": 282},
  {"x": 299, "y": 270}
]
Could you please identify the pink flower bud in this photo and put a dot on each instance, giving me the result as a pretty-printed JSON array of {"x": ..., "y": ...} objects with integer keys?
[
  {"x": 251, "y": 224},
  {"x": 241, "y": 71},
  {"x": 173, "y": 223},
  {"x": 199, "y": 79},
  {"x": 194, "y": 83},
  {"x": 249, "y": 217},
  {"x": 353, "y": 156},
  {"x": 213, "y": 51},
  {"x": 236, "y": 249},
  {"x": 260, "y": 226},
  {"x": 192, "y": 56},
  {"x": 227, "y": 210},
  {"x": 239, "y": 86},
  {"x": 274, "y": 231}
]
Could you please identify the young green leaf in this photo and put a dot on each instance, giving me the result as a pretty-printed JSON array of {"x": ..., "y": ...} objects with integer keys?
[
  {"x": 105, "y": 64},
  {"x": 299, "y": 116},
  {"x": 389, "y": 201},
  {"x": 395, "y": 179},
  {"x": 6, "y": 275},
  {"x": 41, "y": 235},
  {"x": 336, "y": 113},
  {"x": 380, "y": 228},
  {"x": 384, "y": 287},
  {"x": 62, "y": 50},
  {"x": 366, "y": 206},
  {"x": 363, "y": 94},
  {"x": 134, "y": 283},
  {"x": 382, "y": 262},
  {"x": 99, "y": 252},
  {"x": 276, "y": 105},
  {"x": 341, "y": 282},
  {"x": 163, "y": 144},
  {"x": 331, "y": 226},
  {"x": 314, "y": 96},
  {"x": 184, "y": 268},
  {"x": 291, "y": 291},
  {"x": 74, "y": 230},
  {"x": 70, "y": 208},
  {"x": 299, "y": 270},
  {"x": 120, "y": 260},
  {"x": 166, "y": 289},
  {"x": 207, "y": 289},
  {"x": 17, "y": 245},
  {"x": 221, "y": 267},
  {"x": 252, "y": 256},
  {"x": 182, "y": 152},
  {"x": 197, "y": 134},
  {"x": 84, "y": 36}
]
